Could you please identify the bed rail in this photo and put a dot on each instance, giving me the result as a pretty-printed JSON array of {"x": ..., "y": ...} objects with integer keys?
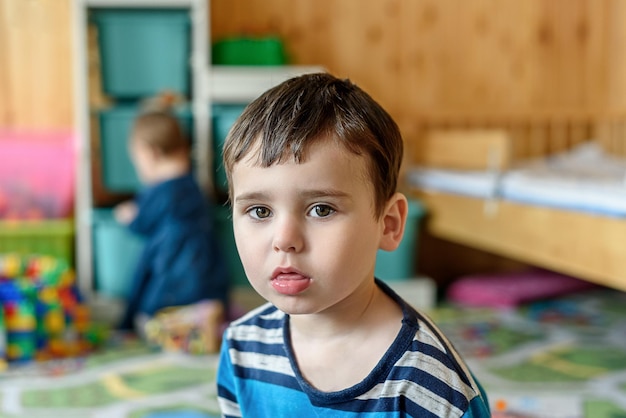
[{"x": 531, "y": 136}]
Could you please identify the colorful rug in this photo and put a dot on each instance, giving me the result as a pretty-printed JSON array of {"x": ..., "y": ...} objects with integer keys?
[
  {"x": 125, "y": 380},
  {"x": 562, "y": 358}
]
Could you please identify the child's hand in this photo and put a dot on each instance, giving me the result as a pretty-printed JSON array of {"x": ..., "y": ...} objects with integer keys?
[{"x": 125, "y": 212}]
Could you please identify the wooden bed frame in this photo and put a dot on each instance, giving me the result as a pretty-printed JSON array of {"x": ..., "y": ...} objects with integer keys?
[{"x": 587, "y": 246}]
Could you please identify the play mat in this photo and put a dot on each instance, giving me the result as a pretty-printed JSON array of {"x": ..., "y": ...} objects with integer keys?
[
  {"x": 559, "y": 358},
  {"x": 563, "y": 357},
  {"x": 125, "y": 379}
]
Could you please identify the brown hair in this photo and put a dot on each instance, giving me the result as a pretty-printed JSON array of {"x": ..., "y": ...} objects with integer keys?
[
  {"x": 289, "y": 117},
  {"x": 157, "y": 126}
]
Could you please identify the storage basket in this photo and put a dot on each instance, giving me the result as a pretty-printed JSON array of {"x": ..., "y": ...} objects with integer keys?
[
  {"x": 224, "y": 226},
  {"x": 223, "y": 116},
  {"x": 143, "y": 52},
  {"x": 249, "y": 51},
  {"x": 118, "y": 172},
  {"x": 400, "y": 264},
  {"x": 116, "y": 254}
]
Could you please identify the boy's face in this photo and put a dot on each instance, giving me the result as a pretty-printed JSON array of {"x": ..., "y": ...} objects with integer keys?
[{"x": 306, "y": 233}]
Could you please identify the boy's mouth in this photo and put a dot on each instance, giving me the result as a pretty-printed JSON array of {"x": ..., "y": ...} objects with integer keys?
[{"x": 288, "y": 281}]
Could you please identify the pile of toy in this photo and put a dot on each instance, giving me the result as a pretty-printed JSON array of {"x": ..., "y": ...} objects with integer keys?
[{"x": 42, "y": 314}]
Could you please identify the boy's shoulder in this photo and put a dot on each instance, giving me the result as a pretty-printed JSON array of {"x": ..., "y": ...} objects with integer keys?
[
  {"x": 263, "y": 325},
  {"x": 266, "y": 316}
]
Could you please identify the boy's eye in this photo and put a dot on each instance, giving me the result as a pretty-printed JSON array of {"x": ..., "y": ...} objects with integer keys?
[
  {"x": 260, "y": 212},
  {"x": 321, "y": 211}
]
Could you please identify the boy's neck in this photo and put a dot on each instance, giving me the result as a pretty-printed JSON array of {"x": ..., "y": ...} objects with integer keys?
[
  {"x": 369, "y": 307},
  {"x": 169, "y": 169},
  {"x": 335, "y": 351}
]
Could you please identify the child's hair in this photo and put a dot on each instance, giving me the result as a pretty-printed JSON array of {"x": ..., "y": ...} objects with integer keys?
[
  {"x": 157, "y": 126},
  {"x": 288, "y": 118}
]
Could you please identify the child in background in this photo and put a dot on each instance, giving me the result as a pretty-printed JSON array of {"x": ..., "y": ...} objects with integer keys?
[
  {"x": 181, "y": 263},
  {"x": 313, "y": 166}
]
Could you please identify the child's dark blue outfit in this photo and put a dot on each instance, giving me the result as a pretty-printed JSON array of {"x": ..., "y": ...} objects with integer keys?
[{"x": 181, "y": 262}]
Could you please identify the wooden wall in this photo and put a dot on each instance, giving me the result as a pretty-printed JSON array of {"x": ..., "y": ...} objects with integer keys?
[
  {"x": 551, "y": 72},
  {"x": 419, "y": 58},
  {"x": 561, "y": 62},
  {"x": 436, "y": 58},
  {"x": 36, "y": 64}
]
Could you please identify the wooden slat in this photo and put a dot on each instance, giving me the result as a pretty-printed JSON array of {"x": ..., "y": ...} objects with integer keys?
[
  {"x": 464, "y": 149},
  {"x": 4, "y": 78},
  {"x": 480, "y": 56},
  {"x": 418, "y": 58},
  {"x": 36, "y": 70},
  {"x": 580, "y": 244}
]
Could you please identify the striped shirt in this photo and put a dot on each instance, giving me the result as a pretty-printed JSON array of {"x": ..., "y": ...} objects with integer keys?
[{"x": 420, "y": 375}]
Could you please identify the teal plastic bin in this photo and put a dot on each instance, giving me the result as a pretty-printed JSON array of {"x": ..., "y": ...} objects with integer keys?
[
  {"x": 116, "y": 254},
  {"x": 118, "y": 172},
  {"x": 223, "y": 117},
  {"x": 400, "y": 264},
  {"x": 143, "y": 51},
  {"x": 226, "y": 238}
]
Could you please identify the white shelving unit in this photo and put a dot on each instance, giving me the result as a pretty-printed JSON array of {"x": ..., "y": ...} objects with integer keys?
[
  {"x": 238, "y": 84},
  {"x": 210, "y": 84},
  {"x": 199, "y": 65}
]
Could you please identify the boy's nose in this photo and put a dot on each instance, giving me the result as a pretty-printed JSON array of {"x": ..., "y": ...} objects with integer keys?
[{"x": 288, "y": 236}]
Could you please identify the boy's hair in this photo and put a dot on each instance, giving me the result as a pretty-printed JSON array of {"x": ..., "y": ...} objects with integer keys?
[
  {"x": 288, "y": 118},
  {"x": 158, "y": 127}
]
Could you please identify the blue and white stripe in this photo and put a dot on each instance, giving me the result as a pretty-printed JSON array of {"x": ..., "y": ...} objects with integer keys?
[{"x": 428, "y": 378}]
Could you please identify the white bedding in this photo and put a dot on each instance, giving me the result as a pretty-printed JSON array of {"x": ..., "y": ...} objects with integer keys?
[
  {"x": 585, "y": 179},
  {"x": 469, "y": 183}
]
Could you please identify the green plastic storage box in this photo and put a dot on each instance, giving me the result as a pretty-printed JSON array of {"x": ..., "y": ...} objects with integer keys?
[
  {"x": 118, "y": 172},
  {"x": 53, "y": 237},
  {"x": 249, "y": 51},
  {"x": 400, "y": 264},
  {"x": 223, "y": 117},
  {"x": 143, "y": 51},
  {"x": 116, "y": 252}
]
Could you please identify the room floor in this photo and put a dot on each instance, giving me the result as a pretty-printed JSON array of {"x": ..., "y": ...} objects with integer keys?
[{"x": 558, "y": 358}]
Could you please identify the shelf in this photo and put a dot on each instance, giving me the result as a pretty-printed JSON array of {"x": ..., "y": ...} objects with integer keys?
[
  {"x": 242, "y": 84},
  {"x": 140, "y": 3},
  {"x": 198, "y": 61},
  {"x": 210, "y": 84}
]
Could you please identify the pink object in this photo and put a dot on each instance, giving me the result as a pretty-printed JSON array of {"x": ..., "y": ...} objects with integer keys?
[
  {"x": 36, "y": 175},
  {"x": 512, "y": 289}
]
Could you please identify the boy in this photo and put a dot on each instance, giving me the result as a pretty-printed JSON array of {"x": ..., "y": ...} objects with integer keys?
[
  {"x": 312, "y": 166},
  {"x": 181, "y": 263}
]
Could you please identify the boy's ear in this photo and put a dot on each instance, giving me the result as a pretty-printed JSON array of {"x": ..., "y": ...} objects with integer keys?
[{"x": 393, "y": 221}]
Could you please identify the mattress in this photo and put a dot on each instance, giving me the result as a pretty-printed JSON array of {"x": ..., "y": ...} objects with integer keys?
[
  {"x": 583, "y": 179},
  {"x": 468, "y": 183}
]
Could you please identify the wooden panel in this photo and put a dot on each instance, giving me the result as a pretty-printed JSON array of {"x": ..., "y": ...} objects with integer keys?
[
  {"x": 422, "y": 57},
  {"x": 615, "y": 43},
  {"x": 583, "y": 245},
  {"x": 35, "y": 75},
  {"x": 532, "y": 135},
  {"x": 417, "y": 57},
  {"x": 465, "y": 149},
  {"x": 4, "y": 81}
]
